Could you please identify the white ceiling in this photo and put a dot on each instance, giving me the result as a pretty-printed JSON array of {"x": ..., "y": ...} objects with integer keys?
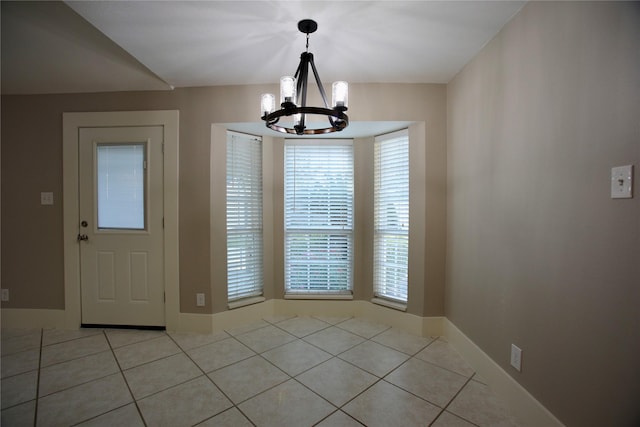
[{"x": 93, "y": 46}]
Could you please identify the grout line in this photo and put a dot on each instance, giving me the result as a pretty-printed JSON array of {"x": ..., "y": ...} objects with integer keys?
[
  {"x": 451, "y": 400},
  {"x": 135, "y": 402},
  {"x": 35, "y": 412},
  {"x": 210, "y": 380}
]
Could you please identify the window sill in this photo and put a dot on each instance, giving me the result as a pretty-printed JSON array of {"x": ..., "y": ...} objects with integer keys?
[
  {"x": 245, "y": 302},
  {"x": 390, "y": 304},
  {"x": 319, "y": 296}
]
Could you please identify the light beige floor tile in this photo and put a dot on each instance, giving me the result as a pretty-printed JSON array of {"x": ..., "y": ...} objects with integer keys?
[
  {"x": 22, "y": 415},
  {"x": 125, "y": 416},
  {"x": 278, "y": 318},
  {"x": 19, "y": 363},
  {"x": 296, "y": 357},
  {"x": 121, "y": 337},
  {"x": 20, "y": 343},
  {"x": 442, "y": 354},
  {"x": 374, "y": 358},
  {"x": 402, "y": 341},
  {"x": 83, "y": 402},
  {"x": 302, "y": 326},
  {"x": 447, "y": 419},
  {"x": 334, "y": 340},
  {"x": 479, "y": 379},
  {"x": 7, "y": 333},
  {"x": 229, "y": 418},
  {"x": 363, "y": 327},
  {"x": 145, "y": 351},
  {"x": 332, "y": 320},
  {"x": 220, "y": 354},
  {"x": 74, "y": 349},
  {"x": 184, "y": 405},
  {"x": 337, "y": 381},
  {"x": 18, "y": 389},
  {"x": 437, "y": 385},
  {"x": 247, "y": 378},
  {"x": 264, "y": 339},
  {"x": 247, "y": 327},
  {"x": 289, "y": 404},
  {"x": 161, "y": 374},
  {"x": 385, "y": 405},
  {"x": 479, "y": 405},
  {"x": 339, "y": 419},
  {"x": 55, "y": 336},
  {"x": 78, "y": 371},
  {"x": 187, "y": 341}
]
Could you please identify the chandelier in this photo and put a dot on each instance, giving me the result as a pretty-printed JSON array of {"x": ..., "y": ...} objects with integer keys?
[{"x": 293, "y": 97}]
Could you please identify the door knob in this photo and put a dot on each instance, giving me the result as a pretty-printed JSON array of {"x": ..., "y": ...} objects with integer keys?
[{"x": 82, "y": 237}]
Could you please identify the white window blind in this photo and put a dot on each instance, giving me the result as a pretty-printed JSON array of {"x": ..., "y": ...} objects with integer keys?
[
  {"x": 391, "y": 216},
  {"x": 121, "y": 186},
  {"x": 244, "y": 216},
  {"x": 318, "y": 217}
]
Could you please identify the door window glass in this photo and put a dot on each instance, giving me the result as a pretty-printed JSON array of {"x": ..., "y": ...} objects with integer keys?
[{"x": 121, "y": 189}]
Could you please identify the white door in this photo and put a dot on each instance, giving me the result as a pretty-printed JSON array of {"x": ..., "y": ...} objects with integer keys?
[{"x": 121, "y": 231}]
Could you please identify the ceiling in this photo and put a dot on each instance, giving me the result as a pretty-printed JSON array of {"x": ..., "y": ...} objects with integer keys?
[{"x": 98, "y": 46}]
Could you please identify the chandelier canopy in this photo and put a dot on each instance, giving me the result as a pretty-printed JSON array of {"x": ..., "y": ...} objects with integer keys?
[{"x": 293, "y": 97}]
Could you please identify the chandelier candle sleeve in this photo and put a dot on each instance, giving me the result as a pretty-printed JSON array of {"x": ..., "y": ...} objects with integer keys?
[
  {"x": 287, "y": 90},
  {"x": 268, "y": 103},
  {"x": 340, "y": 94}
]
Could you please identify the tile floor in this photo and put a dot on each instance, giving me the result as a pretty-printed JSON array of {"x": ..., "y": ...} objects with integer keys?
[{"x": 300, "y": 371}]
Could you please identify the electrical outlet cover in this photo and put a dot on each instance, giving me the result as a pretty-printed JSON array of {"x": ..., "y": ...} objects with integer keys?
[{"x": 200, "y": 300}]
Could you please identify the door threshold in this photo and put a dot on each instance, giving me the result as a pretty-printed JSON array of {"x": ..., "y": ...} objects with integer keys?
[{"x": 139, "y": 327}]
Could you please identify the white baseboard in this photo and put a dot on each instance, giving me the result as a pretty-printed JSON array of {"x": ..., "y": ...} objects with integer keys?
[
  {"x": 33, "y": 318},
  {"x": 528, "y": 411}
]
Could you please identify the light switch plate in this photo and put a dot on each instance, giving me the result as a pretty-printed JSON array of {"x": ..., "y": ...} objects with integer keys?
[
  {"x": 516, "y": 357},
  {"x": 46, "y": 198},
  {"x": 622, "y": 182}
]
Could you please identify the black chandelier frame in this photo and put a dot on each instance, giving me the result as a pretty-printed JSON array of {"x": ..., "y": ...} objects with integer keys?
[{"x": 336, "y": 116}]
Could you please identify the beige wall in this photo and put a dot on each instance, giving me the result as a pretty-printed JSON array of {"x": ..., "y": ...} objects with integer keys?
[
  {"x": 537, "y": 252},
  {"x": 32, "y": 265}
]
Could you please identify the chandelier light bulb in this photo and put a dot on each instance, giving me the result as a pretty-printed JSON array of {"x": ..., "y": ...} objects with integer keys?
[
  {"x": 340, "y": 94},
  {"x": 287, "y": 90}
]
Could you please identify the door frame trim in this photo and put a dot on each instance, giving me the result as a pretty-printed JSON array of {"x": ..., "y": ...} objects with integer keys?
[{"x": 72, "y": 122}]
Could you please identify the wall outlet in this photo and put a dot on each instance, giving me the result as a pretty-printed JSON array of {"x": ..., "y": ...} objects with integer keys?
[
  {"x": 516, "y": 357},
  {"x": 4, "y": 295},
  {"x": 200, "y": 300},
  {"x": 46, "y": 198}
]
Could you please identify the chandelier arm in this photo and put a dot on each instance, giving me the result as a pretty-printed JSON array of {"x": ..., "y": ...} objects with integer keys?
[
  {"x": 318, "y": 82},
  {"x": 303, "y": 81}
]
